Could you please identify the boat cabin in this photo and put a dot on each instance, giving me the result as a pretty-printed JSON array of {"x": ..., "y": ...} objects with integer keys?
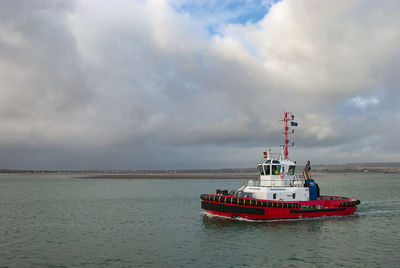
[
  {"x": 277, "y": 181},
  {"x": 275, "y": 172}
]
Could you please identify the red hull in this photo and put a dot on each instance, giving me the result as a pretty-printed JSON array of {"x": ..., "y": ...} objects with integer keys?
[{"x": 256, "y": 209}]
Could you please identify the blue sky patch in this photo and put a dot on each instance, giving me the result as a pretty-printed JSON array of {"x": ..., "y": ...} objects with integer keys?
[{"x": 214, "y": 14}]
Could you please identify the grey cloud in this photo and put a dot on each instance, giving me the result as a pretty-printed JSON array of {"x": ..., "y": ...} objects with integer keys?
[
  {"x": 42, "y": 82},
  {"x": 85, "y": 85}
]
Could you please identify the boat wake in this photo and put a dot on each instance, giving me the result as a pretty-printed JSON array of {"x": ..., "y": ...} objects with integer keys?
[
  {"x": 379, "y": 207},
  {"x": 364, "y": 213}
]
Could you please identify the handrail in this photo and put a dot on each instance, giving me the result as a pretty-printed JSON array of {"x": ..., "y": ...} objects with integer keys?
[{"x": 286, "y": 181}]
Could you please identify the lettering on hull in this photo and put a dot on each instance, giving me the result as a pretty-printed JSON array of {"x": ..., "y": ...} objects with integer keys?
[{"x": 316, "y": 210}]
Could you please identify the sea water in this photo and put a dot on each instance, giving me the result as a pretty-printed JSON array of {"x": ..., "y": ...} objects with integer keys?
[{"x": 66, "y": 221}]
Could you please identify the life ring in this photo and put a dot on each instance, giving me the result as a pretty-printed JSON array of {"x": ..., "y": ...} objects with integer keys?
[
  {"x": 281, "y": 175},
  {"x": 280, "y": 199}
]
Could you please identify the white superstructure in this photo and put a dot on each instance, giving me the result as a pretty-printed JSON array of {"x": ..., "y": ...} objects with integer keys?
[{"x": 277, "y": 179}]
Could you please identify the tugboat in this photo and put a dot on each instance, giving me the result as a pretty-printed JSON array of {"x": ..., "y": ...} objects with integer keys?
[{"x": 278, "y": 193}]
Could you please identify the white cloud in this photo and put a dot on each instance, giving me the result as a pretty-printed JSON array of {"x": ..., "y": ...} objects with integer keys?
[{"x": 364, "y": 103}]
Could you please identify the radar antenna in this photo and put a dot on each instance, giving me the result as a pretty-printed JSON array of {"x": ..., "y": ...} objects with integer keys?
[{"x": 288, "y": 117}]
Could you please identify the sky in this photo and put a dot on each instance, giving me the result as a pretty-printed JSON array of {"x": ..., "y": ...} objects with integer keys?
[{"x": 179, "y": 84}]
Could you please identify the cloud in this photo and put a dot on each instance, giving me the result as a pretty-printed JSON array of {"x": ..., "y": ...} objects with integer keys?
[
  {"x": 364, "y": 103},
  {"x": 97, "y": 84},
  {"x": 42, "y": 80}
]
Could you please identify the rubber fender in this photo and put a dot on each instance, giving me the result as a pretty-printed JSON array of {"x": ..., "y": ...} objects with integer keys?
[
  {"x": 350, "y": 203},
  {"x": 283, "y": 205},
  {"x": 205, "y": 197},
  {"x": 258, "y": 203}
]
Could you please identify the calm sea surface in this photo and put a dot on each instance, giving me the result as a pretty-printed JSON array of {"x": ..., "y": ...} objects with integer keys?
[{"x": 64, "y": 221}]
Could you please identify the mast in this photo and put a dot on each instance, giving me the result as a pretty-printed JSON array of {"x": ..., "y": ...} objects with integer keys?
[{"x": 288, "y": 117}]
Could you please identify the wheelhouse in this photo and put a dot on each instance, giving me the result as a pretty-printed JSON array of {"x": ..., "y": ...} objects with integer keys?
[{"x": 276, "y": 167}]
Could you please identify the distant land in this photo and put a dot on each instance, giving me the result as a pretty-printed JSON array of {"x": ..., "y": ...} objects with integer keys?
[
  {"x": 243, "y": 173},
  {"x": 389, "y": 167}
]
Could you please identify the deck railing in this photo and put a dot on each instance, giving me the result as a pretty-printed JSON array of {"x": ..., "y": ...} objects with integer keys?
[{"x": 286, "y": 181}]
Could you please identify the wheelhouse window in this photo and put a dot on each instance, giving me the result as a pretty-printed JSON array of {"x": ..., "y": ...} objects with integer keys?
[
  {"x": 276, "y": 169},
  {"x": 260, "y": 167},
  {"x": 264, "y": 169},
  {"x": 267, "y": 169},
  {"x": 291, "y": 170}
]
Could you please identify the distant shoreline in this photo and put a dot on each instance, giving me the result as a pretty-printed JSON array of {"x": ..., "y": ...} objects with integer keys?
[
  {"x": 239, "y": 173},
  {"x": 174, "y": 176},
  {"x": 217, "y": 175},
  {"x": 183, "y": 175}
]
